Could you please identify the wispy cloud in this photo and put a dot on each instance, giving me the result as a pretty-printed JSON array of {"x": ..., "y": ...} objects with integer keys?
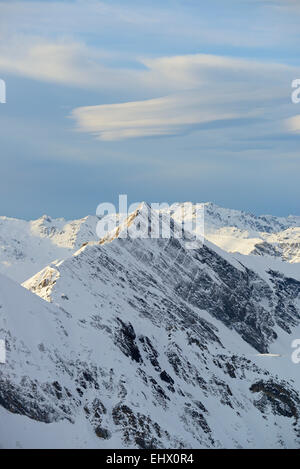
[
  {"x": 74, "y": 63},
  {"x": 237, "y": 22},
  {"x": 150, "y": 69},
  {"x": 293, "y": 124},
  {"x": 67, "y": 62},
  {"x": 202, "y": 89},
  {"x": 169, "y": 115},
  {"x": 168, "y": 95}
]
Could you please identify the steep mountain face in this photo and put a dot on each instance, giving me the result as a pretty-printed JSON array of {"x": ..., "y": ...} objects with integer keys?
[
  {"x": 144, "y": 343},
  {"x": 284, "y": 244},
  {"x": 27, "y": 247},
  {"x": 205, "y": 278}
]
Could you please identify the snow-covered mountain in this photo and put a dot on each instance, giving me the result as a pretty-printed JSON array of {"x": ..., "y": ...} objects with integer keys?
[
  {"x": 245, "y": 233},
  {"x": 28, "y": 246},
  {"x": 143, "y": 343}
]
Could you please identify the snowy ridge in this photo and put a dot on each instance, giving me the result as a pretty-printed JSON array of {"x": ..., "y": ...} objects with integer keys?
[
  {"x": 218, "y": 217},
  {"x": 245, "y": 233},
  {"x": 142, "y": 343},
  {"x": 28, "y": 246}
]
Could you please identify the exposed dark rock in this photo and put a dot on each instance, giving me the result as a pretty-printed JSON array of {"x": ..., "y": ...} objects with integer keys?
[
  {"x": 167, "y": 378},
  {"x": 102, "y": 433},
  {"x": 282, "y": 400},
  {"x": 125, "y": 339}
]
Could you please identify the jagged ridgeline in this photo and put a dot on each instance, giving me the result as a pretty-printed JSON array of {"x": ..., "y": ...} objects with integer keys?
[{"x": 143, "y": 343}]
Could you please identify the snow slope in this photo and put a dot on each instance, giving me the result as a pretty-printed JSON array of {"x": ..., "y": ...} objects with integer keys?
[
  {"x": 245, "y": 233},
  {"x": 143, "y": 343},
  {"x": 118, "y": 378},
  {"x": 26, "y": 247}
]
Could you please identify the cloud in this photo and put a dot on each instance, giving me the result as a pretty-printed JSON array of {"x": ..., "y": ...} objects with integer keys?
[
  {"x": 235, "y": 23},
  {"x": 75, "y": 64},
  {"x": 168, "y": 115},
  {"x": 64, "y": 62},
  {"x": 202, "y": 89},
  {"x": 293, "y": 124},
  {"x": 168, "y": 95}
]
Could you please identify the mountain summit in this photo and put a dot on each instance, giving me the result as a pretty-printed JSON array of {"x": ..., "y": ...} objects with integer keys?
[{"x": 139, "y": 342}]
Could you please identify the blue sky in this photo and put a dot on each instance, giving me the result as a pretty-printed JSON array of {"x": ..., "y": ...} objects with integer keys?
[{"x": 165, "y": 101}]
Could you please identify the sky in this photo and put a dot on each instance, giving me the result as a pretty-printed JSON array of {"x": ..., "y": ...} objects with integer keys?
[{"x": 173, "y": 101}]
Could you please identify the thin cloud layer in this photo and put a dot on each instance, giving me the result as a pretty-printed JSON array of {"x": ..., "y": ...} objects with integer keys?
[
  {"x": 73, "y": 63},
  {"x": 169, "y": 115},
  {"x": 203, "y": 89},
  {"x": 64, "y": 62},
  {"x": 207, "y": 83},
  {"x": 293, "y": 124},
  {"x": 169, "y": 95},
  {"x": 195, "y": 21}
]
